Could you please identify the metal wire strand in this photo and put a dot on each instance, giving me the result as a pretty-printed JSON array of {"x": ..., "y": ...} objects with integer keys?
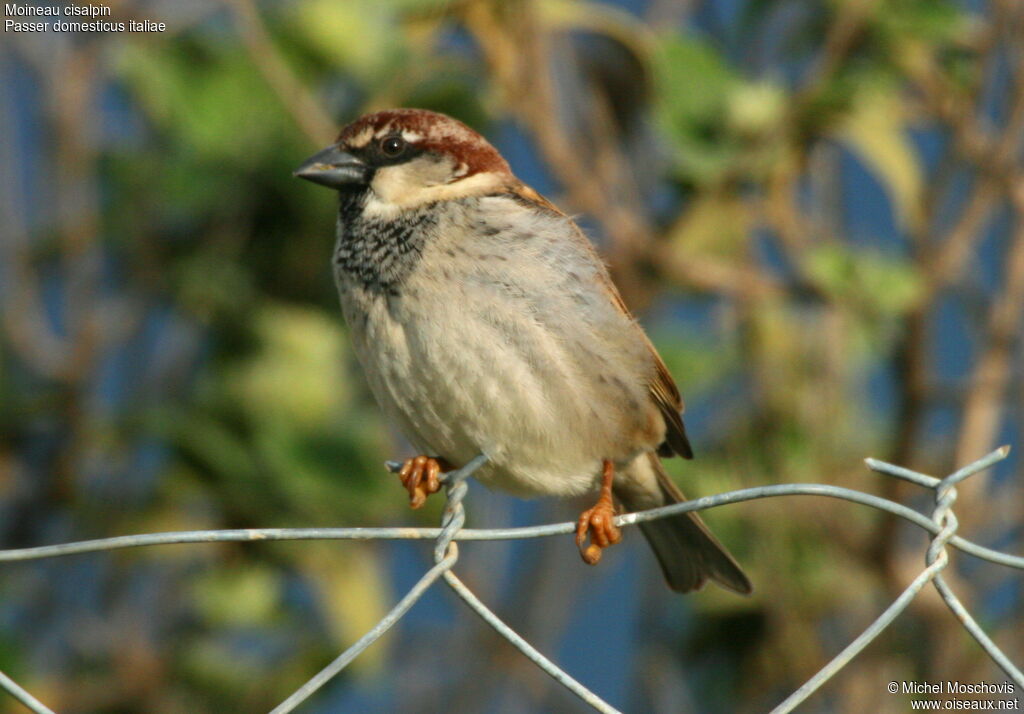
[
  {"x": 397, "y": 612},
  {"x": 942, "y": 524},
  {"x": 244, "y": 535},
  {"x": 936, "y": 560},
  {"x": 12, "y": 688}
]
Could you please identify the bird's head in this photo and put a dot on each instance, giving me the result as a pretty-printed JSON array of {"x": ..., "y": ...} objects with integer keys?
[{"x": 408, "y": 157}]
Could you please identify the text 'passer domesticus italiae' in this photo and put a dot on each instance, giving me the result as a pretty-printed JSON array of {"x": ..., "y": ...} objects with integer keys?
[{"x": 487, "y": 324}]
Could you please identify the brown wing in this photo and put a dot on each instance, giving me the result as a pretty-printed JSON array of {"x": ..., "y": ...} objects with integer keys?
[
  {"x": 663, "y": 389},
  {"x": 666, "y": 396}
]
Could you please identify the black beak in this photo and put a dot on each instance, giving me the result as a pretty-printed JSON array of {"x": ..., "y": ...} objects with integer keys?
[{"x": 335, "y": 168}]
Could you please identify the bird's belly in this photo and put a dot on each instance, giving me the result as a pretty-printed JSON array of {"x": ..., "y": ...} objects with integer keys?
[{"x": 469, "y": 381}]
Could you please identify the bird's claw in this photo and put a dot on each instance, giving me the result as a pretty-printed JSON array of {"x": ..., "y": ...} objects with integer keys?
[
  {"x": 420, "y": 475},
  {"x": 599, "y": 522}
]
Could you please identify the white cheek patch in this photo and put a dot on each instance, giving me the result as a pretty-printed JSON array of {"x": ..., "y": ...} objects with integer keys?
[
  {"x": 408, "y": 183},
  {"x": 403, "y": 186},
  {"x": 396, "y": 184}
]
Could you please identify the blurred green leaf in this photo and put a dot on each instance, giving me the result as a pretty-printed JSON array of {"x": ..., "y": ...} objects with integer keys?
[
  {"x": 297, "y": 375},
  {"x": 694, "y": 83},
  {"x": 719, "y": 124},
  {"x": 757, "y": 109},
  {"x": 877, "y": 283},
  {"x": 358, "y": 35},
  {"x": 209, "y": 94},
  {"x": 930, "y": 21}
]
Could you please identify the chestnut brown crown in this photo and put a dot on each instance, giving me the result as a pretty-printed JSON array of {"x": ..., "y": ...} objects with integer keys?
[{"x": 423, "y": 131}]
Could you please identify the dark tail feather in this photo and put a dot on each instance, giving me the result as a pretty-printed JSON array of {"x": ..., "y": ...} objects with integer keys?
[{"x": 687, "y": 552}]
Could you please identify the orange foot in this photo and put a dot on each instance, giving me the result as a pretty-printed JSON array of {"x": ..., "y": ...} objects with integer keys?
[
  {"x": 599, "y": 521},
  {"x": 419, "y": 476}
]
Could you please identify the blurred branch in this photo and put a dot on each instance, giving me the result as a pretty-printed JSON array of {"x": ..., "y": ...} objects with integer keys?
[
  {"x": 946, "y": 262},
  {"x": 73, "y": 85},
  {"x": 303, "y": 107},
  {"x": 795, "y": 231},
  {"x": 991, "y": 158},
  {"x": 712, "y": 276},
  {"x": 997, "y": 159},
  {"x": 994, "y": 156},
  {"x": 850, "y": 20},
  {"x": 21, "y": 305},
  {"x": 986, "y": 401}
]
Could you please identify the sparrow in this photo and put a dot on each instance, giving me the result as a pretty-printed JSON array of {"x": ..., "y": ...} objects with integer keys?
[{"x": 486, "y": 323}]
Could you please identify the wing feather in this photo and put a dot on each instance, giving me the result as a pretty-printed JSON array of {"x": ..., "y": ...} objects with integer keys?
[{"x": 662, "y": 389}]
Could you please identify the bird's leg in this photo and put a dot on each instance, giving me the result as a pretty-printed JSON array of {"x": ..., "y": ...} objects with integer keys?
[
  {"x": 419, "y": 476},
  {"x": 599, "y": 521}
]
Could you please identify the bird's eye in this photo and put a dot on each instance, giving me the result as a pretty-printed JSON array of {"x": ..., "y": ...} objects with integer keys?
[{"x": 392, "y": 146}]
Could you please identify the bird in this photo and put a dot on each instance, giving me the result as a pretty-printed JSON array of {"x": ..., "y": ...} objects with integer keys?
[{"x": 486, "y": 323}]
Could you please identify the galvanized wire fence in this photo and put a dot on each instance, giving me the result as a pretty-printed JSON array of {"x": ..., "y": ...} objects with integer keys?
[{"x": 941, "y": 523}]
